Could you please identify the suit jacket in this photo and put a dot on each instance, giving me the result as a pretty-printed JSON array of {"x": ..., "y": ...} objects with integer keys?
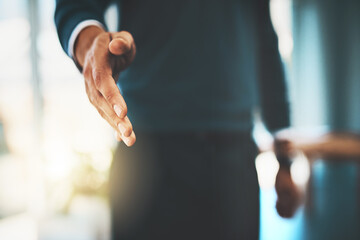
[{"x": 200, "y": 64}]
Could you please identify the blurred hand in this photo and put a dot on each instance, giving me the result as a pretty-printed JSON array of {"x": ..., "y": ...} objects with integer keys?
[
  {"x": 103, "y": 55},
  {"x": 289, "y": 197},
  {"x": 288, "y": 194}
]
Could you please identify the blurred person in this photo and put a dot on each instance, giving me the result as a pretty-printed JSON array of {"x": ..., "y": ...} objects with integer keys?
[{"x": 201, "y": 68}]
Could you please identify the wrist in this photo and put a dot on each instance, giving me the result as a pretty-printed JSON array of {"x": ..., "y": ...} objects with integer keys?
[
  {"x": 284, "y": 162},
  {"x": 84, "y": 42}
]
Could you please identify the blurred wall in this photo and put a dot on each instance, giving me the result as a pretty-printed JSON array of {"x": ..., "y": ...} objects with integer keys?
[{"x": 326, "y": 61}]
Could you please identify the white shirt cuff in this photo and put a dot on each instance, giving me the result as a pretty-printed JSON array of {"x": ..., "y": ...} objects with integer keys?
[{"x": 77, "y": 30}]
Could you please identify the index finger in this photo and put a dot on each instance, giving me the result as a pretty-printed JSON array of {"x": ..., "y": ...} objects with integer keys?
[{"x": 106, "y": 85}]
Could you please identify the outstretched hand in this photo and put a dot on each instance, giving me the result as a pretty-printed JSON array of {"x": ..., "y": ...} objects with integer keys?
[{"x": 103, "y": 55}]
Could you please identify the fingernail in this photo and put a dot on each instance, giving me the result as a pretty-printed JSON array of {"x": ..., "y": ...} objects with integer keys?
[
  {"x": 117, "y": 110},
  {"x": 127, "y": 141}
]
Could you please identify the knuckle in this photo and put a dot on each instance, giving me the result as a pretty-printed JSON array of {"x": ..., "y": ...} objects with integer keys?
[
  {"x": 98, "y": 78},
  {"x": 109, "y": 95},
  {"x": 128, "y": 131},
  {"x": 124, "y": 110},
  {"x": 114, "y": 118}
]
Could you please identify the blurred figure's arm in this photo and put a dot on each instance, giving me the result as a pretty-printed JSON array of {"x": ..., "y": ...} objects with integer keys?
[
  {"x": 325, "y": 145},
  {"x": 271, "y": 79}
]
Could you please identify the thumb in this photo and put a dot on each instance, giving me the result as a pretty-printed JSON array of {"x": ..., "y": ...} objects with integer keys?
[{"x": 122, "y": 43}]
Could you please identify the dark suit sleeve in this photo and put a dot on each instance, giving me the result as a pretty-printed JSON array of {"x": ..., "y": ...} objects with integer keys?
[
  {"x": 271, "y": 78},
  {"x": 69, "y": 13}
]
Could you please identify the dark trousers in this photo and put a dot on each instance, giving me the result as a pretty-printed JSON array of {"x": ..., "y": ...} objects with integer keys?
[{"x": 185, "y": 186}]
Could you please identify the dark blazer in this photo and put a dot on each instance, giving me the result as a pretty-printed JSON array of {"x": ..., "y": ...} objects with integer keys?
[{"x": 200, "y": 64}]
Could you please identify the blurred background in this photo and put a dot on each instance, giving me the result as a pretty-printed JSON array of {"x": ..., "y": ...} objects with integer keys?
[{"x": 55, "y": 151}]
